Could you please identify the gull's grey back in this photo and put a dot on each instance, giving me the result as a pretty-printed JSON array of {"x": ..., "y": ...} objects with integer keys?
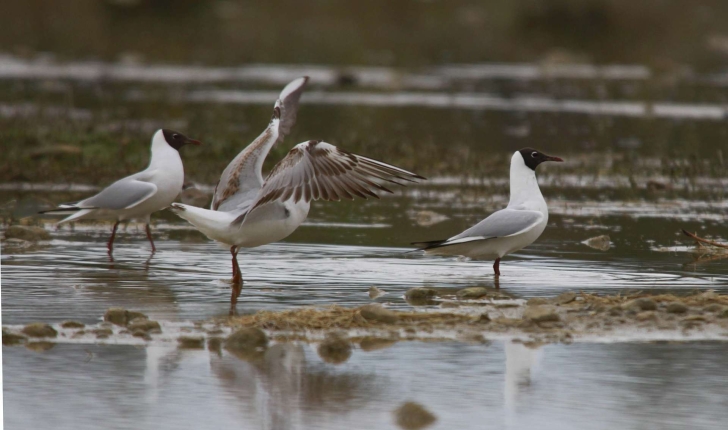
[{"x": 503, "y": 223}]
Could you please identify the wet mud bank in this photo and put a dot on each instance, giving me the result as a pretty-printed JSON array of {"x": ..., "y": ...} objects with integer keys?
[{"x": 466, "y": 317}]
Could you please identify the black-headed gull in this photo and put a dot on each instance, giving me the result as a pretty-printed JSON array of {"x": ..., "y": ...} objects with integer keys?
[
  {"x": 248, "y": 211},
  {"x": 139, "y": 195},
  {"x": 508, "y": 230}
]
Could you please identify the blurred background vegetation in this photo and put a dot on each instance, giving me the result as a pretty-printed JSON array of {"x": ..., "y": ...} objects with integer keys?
[
  {"x": 401, "y": 33},
  {"x": 59, "y": 130}
]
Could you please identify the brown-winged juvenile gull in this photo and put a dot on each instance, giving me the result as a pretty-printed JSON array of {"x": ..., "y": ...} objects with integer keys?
[{"x": 248, "y": 211}]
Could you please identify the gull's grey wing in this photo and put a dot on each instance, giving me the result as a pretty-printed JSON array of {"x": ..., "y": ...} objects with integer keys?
[
  {"x": 122, "y": 194},
  {"x": 243, "y": 177},
  {"x": 316, "y": 170},
  {"x": 504, "y": 223}
]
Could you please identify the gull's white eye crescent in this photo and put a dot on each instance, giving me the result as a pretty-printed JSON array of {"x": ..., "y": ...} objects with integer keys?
[
  {"x": 534, "y": 154},
  {"x": 175, "y": 136}
]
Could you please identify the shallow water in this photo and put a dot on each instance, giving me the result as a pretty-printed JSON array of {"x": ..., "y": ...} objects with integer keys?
[
  {"x": 499, "y": 385},
  {"x": 342, "y": 250},
  {"x": 643, "y": 162}
]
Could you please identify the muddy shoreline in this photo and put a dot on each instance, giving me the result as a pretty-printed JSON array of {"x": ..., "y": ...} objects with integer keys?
[{"x": 566, "y": 318}]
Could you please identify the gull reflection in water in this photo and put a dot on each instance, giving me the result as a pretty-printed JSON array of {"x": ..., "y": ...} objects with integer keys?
[{"x": 522, "y": 363}]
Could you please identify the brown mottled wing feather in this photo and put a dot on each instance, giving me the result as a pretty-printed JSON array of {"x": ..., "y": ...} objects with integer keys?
[
  {"x": 242, "y": 178},
  {"x": 320, "y": 171}
]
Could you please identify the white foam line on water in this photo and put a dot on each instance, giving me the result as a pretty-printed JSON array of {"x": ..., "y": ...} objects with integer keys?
[
  {"x": 537, "y": 71},
  {"x": 18, "y": 68},
  {"x": 172, "y": 331},
  {"x": 476, "y": 101}
]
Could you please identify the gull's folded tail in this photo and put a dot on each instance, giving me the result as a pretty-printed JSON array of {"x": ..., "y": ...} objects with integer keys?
[
  {"x": 212, "y": 223},
  {"x": 71, "y": 209}
]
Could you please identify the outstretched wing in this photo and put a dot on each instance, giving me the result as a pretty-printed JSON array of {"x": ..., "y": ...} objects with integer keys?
[
  {"x": 504, "y": 223},
  {"x": 123, "y": 194},
  {"x": 317, "y": 170},
  {"x": 243, "y": 177}
]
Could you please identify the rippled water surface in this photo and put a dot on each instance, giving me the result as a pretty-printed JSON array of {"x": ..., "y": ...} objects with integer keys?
[
  {"x": 644, "y": 145},
  {"x": 341, "y": 251}
]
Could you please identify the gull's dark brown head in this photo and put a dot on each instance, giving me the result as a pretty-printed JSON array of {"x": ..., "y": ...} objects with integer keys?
[
  {"x": 177, "y": 140},
  {"x": 533, "y": 158}
]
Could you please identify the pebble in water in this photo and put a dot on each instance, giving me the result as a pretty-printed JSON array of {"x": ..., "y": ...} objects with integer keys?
[
  {"x": 413, "y": 416},
  {"x": 39, "y": 330},
  {"x": 335, "y": 349}
]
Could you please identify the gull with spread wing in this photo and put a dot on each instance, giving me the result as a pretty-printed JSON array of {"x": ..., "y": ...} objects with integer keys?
[
  {"x": 139, "y": 195},
  {"x": 508, "y": 230},
  {"x": 248, "y": 211}
]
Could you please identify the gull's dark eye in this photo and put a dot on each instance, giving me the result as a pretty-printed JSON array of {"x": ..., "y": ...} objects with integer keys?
[
  {"x": 176, "y": 136},
  {"x": 534, "y": 154}
]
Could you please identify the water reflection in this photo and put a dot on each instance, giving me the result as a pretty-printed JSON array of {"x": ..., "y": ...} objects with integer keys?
[
  {"x": 520, "y": 361},
  {"x": 600, "y": 386}
]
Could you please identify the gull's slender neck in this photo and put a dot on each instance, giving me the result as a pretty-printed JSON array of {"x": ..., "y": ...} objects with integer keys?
[
  {"x": 163, "y": 155},
  {"x": 525, "y": 193}
]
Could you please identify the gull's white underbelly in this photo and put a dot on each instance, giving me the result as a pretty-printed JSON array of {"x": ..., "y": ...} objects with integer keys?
[{"x": 269, "y": 226}]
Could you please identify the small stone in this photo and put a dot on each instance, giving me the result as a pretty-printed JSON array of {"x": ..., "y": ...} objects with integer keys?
[
  {"x": 335, "y": 349},
  {"x": 541, "y": 314},
  {"x": 142, "y": 334},
  {"x": 536, "y": 301},
  {"x": 601, "y": 243},
  {"x": 375, "y": 292},
  {"x": 376, "y": 312},
  {"x": 10, "y": 338},
  {"x": 472, "y": 293},
  {"x": 246, "y": 339},
  {"x": 102, "y": 333},
  {"x": 676, "y": 308},
  {"x": 116, "y": 316},
  {"x": 565, "y": 298},
  {"x": 642, "y": 304},
  {"x": 145, "y": 325},
  {"x": 191, "y": 342},
  {"x": 29, "y": 233},
  {"x": 72, "y": 324},
  {"x": 39, "y": 330},
  {"x": 413, "y": 416},
  {"x": 420, "y": 296}
]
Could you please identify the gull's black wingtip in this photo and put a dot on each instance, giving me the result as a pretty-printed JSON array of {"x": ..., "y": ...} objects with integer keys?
[{"x": 428, "y": 245}]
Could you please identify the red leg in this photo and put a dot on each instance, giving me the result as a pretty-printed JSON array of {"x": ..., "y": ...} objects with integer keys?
[
  {"x": 149, "y": 236},
  {"x": 233, "y": 261},
  {"x": 237, "y": 278},
  {"x": 496, "y": 267},
  {"x": 110, "y": 244}
]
